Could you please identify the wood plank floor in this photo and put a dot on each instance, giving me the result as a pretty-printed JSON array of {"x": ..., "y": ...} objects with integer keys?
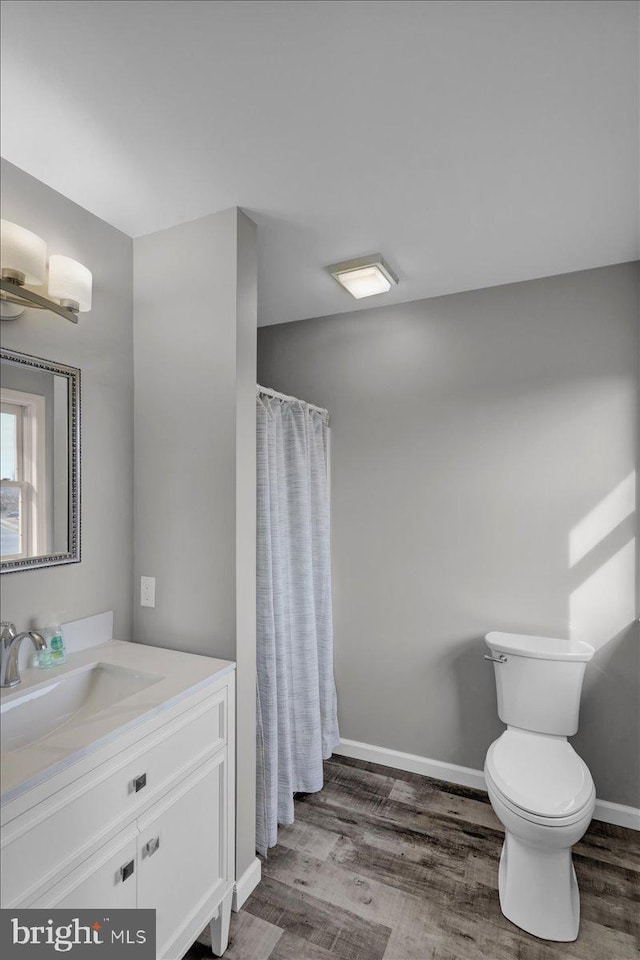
[{"x": 388, "y": 865}]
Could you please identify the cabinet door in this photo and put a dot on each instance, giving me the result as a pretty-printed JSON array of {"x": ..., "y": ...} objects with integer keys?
[
  {"x": 183, "y": 851},
  {"x": 106, "y": 880}
]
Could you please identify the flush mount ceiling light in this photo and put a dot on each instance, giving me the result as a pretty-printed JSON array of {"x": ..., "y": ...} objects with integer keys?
[
  {"x": 364, "y": 277},
  {"x": 23, "y": 260}
]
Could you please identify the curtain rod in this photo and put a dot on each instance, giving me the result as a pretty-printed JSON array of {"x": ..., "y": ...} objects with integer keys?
[{"x": 283, "y": 396}]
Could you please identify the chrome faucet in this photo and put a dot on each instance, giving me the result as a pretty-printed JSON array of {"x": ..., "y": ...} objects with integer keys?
[{"x": 10, "y": 641}]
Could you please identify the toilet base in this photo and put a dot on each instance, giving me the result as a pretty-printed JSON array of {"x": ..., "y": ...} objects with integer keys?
[{"x": 538, "y": 889}]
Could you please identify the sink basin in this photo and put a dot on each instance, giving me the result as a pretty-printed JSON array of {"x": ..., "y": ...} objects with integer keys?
[{"x": 30, "y": 715}]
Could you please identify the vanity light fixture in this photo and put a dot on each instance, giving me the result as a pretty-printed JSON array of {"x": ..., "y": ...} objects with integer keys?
[
  {"x": 364, "y": 277},
  {"x": 70, "y": 283},
  {"x": 23, "y": 259}
]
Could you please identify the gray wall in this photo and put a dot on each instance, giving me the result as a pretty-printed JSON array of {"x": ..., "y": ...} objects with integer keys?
[
  {"x": 101, "y": 345},
  {"x": 195, "y": 369},
  {"x": 471, "y": 436}
]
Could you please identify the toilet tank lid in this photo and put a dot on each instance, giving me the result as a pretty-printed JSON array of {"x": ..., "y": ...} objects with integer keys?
[
  {"x": 541, "y": 775},
  {"x": 540, "y": 648}
]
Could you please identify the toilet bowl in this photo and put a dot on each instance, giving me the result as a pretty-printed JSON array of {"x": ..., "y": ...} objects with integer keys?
[
  {"x": 540, "y": 789},
  {"x": 542, "y": 793}
]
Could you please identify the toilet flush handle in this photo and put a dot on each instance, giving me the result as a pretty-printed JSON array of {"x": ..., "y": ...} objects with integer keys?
[{"x": 499, "y": 659}]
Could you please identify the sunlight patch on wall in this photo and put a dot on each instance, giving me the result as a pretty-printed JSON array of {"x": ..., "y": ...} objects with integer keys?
[
  {"x": 602, "y": 606},
  {"x": 605, "y": 517}
]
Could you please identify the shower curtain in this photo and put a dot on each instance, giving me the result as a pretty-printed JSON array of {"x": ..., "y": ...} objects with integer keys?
[{"x": 297, "y": 723}]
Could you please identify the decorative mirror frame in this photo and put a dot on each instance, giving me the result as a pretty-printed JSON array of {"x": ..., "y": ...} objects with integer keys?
[{"x": 72, "y": 555}]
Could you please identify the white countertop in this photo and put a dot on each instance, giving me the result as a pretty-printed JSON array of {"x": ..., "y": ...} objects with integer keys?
[{"x": 180, "y": 675}]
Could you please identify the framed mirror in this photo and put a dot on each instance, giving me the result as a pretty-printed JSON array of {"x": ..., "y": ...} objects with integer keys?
[{"x": 39, "y": 462}]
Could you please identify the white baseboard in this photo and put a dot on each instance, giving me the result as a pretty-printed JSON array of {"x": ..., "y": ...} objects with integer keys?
[
  {"x": 246, "y": 884},
  {"x": 617, "y": 813},
  {"x": 464, "y": 776},
  {"x": 606, "y": 811}
]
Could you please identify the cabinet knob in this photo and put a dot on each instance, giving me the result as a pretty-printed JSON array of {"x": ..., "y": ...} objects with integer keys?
[
  {"x": 126, "y": 870},
  {"x": 151, "y": 847},
  {"x": 138, "y": 783}
]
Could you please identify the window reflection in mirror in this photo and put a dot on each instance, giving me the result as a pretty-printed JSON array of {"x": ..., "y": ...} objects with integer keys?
[{"x": 38, "y": 462}]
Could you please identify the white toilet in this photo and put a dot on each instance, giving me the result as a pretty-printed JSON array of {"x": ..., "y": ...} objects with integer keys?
[{"x": 539, "y": 787}]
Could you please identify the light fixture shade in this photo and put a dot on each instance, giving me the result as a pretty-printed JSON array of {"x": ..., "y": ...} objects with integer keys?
[
  {"x": 364, "y": 277},
  {"x": 365, "y": 282},
  {"x": 70, "y": 281},
  {"x": 23, "y": 254}
]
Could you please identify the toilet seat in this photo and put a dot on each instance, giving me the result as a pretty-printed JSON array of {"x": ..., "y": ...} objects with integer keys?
[
  {"x": 540, "y": 778},
  {"x": 554, "y": 822}
]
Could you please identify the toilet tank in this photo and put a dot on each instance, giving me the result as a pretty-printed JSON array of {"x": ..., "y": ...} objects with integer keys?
[{"x": 539, "y": 681}]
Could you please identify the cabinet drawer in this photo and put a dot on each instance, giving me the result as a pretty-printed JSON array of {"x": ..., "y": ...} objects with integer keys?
[
  {"x": 182, "y": 855},
  {"x": 60, "y": 832},
  {"x": 107, "y": 880}
]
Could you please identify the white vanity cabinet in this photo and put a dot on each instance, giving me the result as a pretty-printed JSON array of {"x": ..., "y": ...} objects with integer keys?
[{"x": 146, "y": 821}]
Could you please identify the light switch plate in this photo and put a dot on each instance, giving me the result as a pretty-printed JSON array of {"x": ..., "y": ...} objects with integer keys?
[{"x": 147, "y": 591}]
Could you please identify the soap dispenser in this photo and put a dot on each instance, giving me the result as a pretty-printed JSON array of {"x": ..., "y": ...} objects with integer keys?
[{"x": 55, "y": 654}]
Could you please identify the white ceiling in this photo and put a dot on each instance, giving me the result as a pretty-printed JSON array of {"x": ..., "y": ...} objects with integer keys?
[{"x": 472, "y": 143}]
